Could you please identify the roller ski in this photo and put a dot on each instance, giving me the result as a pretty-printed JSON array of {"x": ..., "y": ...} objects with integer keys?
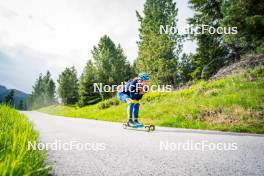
[{"x": 135, "y": 125}]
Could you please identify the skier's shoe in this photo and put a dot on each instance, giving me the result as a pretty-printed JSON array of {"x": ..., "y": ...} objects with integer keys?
[
  {"x": 137, "y": 124},
  {"x": 130, "y": 123}
]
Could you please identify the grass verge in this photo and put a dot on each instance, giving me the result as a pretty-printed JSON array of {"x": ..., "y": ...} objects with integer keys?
[
  {"x": 15, "y": 158},
  {"x": 234, "y": 103}
]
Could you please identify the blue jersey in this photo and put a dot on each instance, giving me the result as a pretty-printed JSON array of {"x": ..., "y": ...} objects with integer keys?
[{"x": 131, "y": 90}]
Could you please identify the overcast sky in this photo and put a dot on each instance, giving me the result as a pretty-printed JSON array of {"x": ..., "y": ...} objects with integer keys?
[{"x": 40, "y": 35}]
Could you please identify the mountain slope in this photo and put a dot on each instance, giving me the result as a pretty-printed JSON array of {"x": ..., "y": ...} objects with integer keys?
[
  {"x": 19, "y": 95},
  {"x": 2, "y": 89}
]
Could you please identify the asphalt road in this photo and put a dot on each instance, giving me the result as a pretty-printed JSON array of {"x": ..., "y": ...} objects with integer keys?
[{"x": 105, "y": 148}]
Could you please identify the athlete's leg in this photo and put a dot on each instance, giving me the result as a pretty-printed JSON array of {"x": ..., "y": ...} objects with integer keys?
[
  {"x": 125, "y": 98},
  {"x": 136, "y": 112},
  {"x": 130, "y": 109}
]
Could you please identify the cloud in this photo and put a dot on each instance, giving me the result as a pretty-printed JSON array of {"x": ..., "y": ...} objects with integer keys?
[
  {"x": 40, "y": 35},
  {"x": 7, "y": 13},
  {"x": 20, "y": 66}
]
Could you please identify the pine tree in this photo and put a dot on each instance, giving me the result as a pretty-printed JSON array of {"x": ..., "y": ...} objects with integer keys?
[
  {"x": 49, "y": 88},
  {"x": 21, "y": 105},
  {"x": 211, "y": 53},
  {"x": 158, "y": 52},
  {"x": 43, "y": 91},
  {"x": 122, "y": 65},
  {"x": 185, "y": 68},
  {"x": 111, "y": 65},
  {"x": 248, "y": 17},
  {"x": 9, "y": 99},
  {"x": 68, "y": 86},
  {"x": 86, "y": 88}
]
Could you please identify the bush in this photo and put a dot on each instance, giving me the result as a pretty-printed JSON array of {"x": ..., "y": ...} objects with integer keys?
[
  {"x": 152, "y": 96},
  {"x": 108, "y": 103}
]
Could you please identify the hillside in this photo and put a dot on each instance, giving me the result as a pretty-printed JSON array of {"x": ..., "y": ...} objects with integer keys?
[
  {"x": 2, "y": 89},
  {"x": 233, "y": 103},
  {"x": 248, "y": 61},
  {"x": 19, "y": 95}
]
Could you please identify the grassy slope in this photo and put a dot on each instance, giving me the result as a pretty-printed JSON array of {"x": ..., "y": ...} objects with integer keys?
[
  {"x": 15, "y": 158},
  {"x": 235, "y": 103}
]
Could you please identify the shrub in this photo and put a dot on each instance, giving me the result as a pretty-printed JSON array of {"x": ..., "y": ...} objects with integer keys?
[
  {"x": 151, "y": 96},
  {"x": 108, "y": 103}
]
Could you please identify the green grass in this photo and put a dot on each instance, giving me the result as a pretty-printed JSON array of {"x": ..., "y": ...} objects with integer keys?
[
  {"x": 15, "y": 158},
  {"x": 235, "y": 103}
]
